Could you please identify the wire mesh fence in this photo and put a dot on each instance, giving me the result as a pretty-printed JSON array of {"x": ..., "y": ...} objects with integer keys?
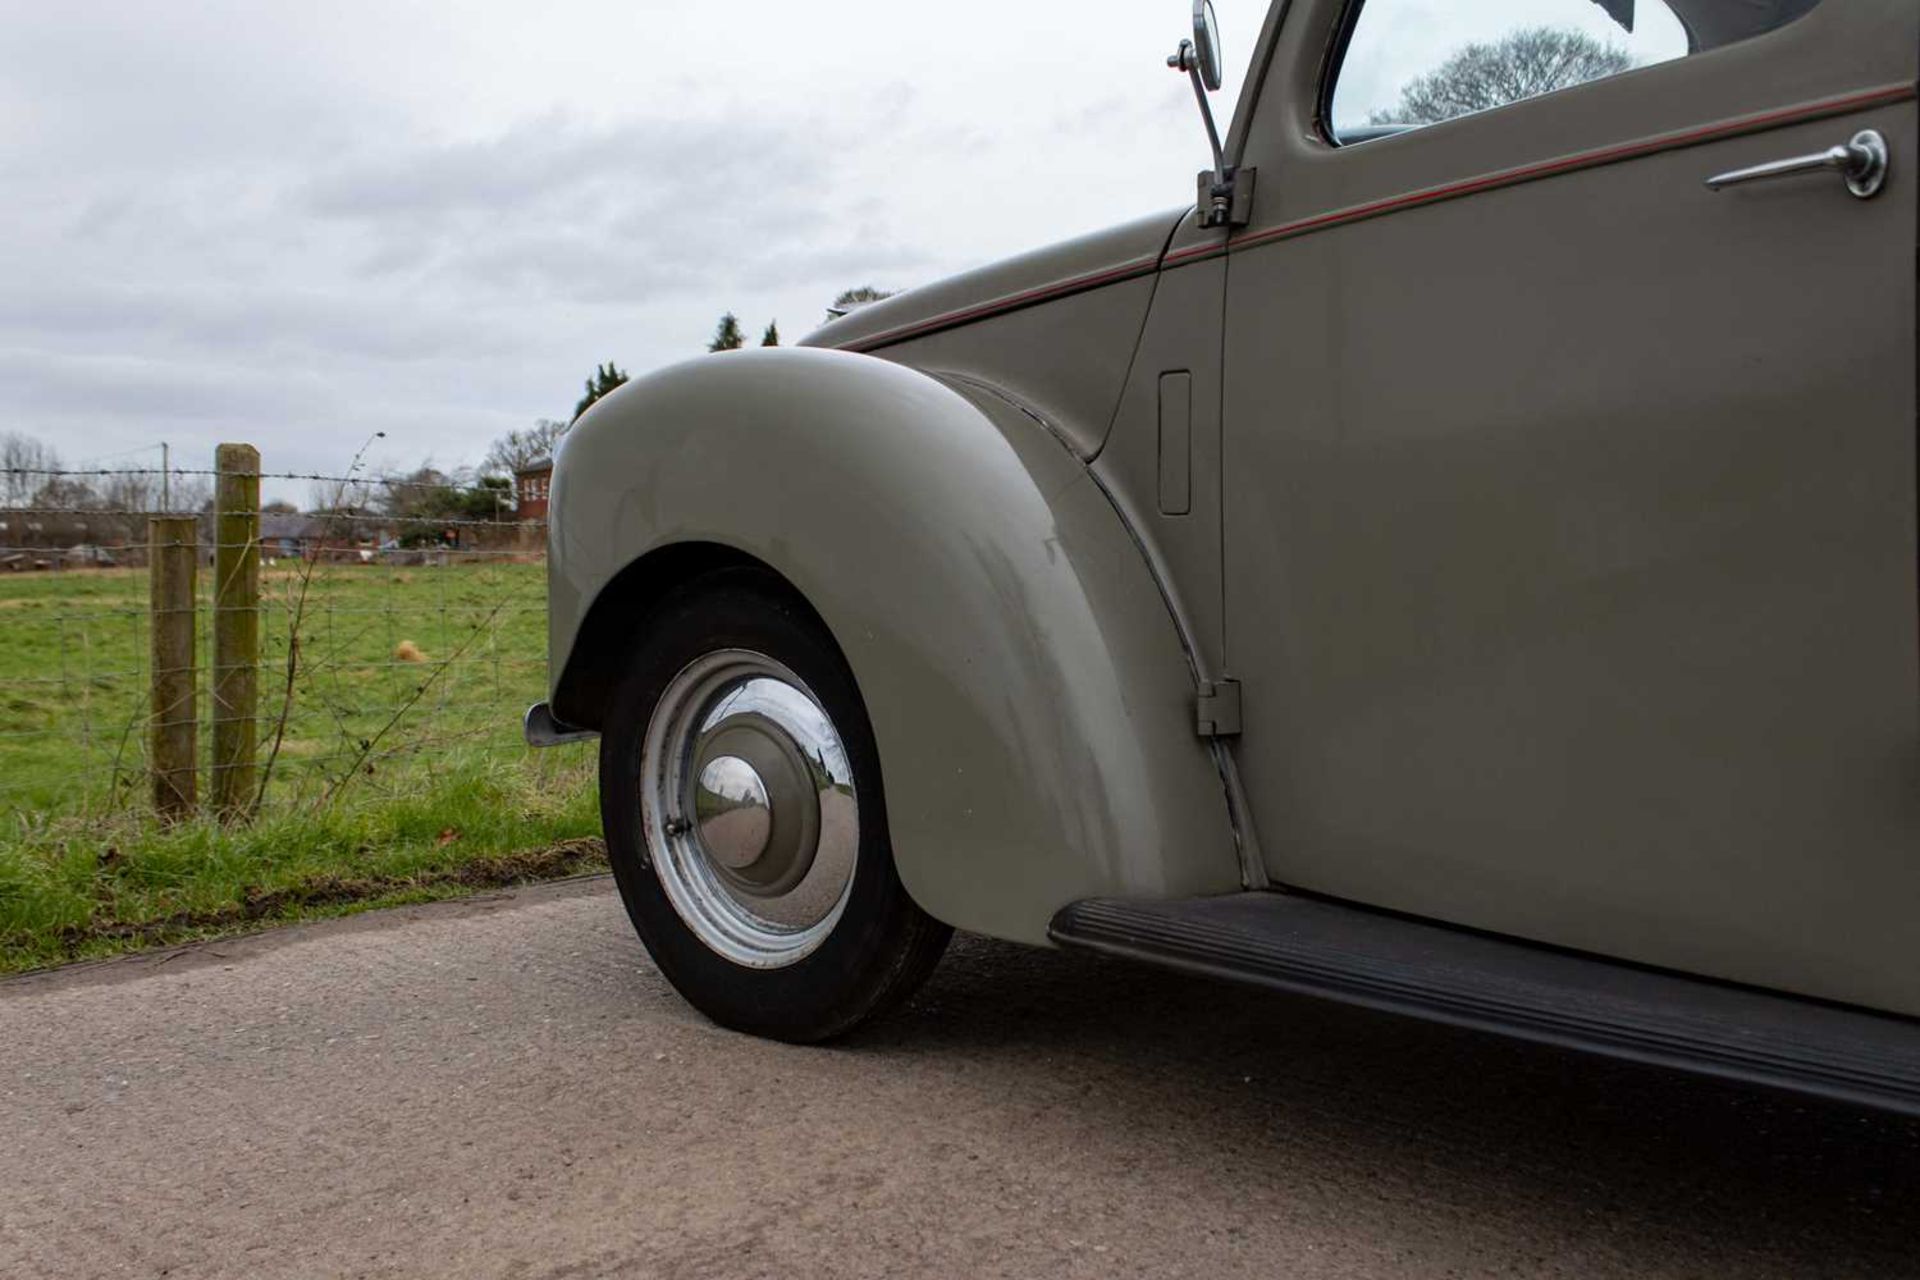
[{"x": 400, "y": 624}]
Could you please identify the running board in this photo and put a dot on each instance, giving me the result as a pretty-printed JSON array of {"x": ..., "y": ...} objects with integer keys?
[{"x": 1318, "y": 948}]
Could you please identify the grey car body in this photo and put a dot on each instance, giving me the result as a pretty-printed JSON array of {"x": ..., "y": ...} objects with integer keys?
[{"x": 1498, "y": 527}]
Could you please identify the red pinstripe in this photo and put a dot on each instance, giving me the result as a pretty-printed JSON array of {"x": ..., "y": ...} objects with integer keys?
[
  {"x": 1392, "y": 204},
  {"x": 1553, "y": 168},
  {"x": 953, "y": 319}
]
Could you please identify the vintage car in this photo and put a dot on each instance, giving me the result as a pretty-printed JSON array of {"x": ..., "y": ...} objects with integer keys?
[{"x": 1464, "y": 565}]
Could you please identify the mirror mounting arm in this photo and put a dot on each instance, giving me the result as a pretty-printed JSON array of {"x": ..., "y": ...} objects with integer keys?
[
  {"x": 1226, "y": 195},
  {"x": 1188, "y": 60}
]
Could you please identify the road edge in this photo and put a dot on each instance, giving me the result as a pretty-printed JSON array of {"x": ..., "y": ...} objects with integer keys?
[{"x": 235, "y": 948}]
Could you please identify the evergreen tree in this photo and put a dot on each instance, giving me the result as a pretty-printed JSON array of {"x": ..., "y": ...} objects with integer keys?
[
  {"x": 604, "y": 379},
  {"x": 728, "y": 336},
  {"x": 772, "y": 336}
]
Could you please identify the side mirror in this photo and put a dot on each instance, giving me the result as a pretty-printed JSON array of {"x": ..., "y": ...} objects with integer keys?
[
  {"x": 1224, "y": 200},
  {"x": 1200, "y": 56},
  {"x": 1206, "y": 44}
]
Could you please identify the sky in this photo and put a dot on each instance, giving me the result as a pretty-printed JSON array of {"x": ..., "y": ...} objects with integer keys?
[{"x": 299, "y": 225}]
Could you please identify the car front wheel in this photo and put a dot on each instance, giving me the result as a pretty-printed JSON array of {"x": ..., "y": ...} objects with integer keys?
[{"x": 740, "y": 793}]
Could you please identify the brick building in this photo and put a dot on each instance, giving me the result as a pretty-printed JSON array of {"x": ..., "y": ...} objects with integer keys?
[{"x": 530, "y": 486}]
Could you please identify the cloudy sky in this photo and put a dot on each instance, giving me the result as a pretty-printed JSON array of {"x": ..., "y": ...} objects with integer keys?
[{"x": 301, "y": 224}]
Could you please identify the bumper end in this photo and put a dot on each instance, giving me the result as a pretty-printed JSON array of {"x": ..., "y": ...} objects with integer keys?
[{"x": 543, "y": 730}]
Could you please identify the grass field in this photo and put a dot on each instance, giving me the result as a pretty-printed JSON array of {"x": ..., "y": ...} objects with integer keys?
[{"x": 400, "y": 771}]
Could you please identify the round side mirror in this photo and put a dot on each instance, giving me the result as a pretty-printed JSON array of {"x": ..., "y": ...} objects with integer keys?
[{"x": 1206, "y": 43}]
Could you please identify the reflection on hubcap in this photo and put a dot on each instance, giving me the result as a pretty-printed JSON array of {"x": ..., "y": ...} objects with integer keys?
[
  {"x": 733, "y": 816},
  {"x": 748, "y": 804}
]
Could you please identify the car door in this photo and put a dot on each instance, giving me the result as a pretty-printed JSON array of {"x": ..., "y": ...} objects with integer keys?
[{"x": 1569, "y": 505}]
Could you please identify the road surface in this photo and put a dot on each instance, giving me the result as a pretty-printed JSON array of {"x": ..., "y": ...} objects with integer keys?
[{"x": 506, "y": 1087}]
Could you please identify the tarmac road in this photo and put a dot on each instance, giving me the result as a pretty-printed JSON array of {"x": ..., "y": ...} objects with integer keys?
[{"x": 506, "y": 1087}]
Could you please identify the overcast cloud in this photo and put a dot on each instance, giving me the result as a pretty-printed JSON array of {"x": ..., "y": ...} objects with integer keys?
[{"x": 300, "y": 224}]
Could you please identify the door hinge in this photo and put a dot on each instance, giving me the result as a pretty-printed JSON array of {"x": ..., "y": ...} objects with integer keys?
[{"x": 1218, "y": 709}]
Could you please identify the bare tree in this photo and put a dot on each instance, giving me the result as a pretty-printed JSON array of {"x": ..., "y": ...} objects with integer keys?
[
  {"x": 331, "y": 495},
  {"x": 428, "y": 504},
  {"x": 516, "y": 449},
  {"x": 66, "y": 511},
  {"x": 135, "y": 491},
  {"x": 24, "y": 463},
  {"x": 1524, "y": 64},
  {"x": 857, "y": 297},
  {"x": 190, "y": 494}
]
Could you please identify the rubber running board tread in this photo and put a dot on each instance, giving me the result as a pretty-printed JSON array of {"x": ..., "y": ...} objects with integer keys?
[{"x": 1313, "y": 947}]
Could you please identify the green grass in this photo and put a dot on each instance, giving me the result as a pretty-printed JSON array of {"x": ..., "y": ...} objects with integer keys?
[
  {"x": 73, "y": 682},
  {"x": 396, "y": 778}
]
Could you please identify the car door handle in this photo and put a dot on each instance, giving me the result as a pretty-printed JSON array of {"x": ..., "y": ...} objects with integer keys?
[{"x": 1862, "y": 162}]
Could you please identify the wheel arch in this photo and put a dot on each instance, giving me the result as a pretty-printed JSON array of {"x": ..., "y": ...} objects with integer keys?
[
  {"x": 1027, "y": 684},
  {"x": 583, "y": 685}
]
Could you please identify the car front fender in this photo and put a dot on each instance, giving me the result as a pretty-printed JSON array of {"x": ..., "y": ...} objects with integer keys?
[{"x": 1028, "y": 686}]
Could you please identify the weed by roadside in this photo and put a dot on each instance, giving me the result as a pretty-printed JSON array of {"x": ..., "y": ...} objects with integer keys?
[{"x": 72, "y": 888}]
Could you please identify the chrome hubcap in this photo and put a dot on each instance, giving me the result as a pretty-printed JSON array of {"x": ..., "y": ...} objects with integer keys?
[{"x": 748, "y": 804}]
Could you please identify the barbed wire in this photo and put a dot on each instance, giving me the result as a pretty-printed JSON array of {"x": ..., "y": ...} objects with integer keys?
[
  {"x": 131, "y": 774},
  {"x": 321, "y": 516},
  {"x": 386, "y": 482},
  {"x": 79, "y": 725}
]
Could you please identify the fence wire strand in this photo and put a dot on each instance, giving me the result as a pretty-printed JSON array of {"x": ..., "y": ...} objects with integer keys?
[{"x": 414, "y": 624}]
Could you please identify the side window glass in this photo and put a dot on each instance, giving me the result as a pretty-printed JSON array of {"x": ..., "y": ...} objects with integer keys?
[{"x": 1411, "y": 63}]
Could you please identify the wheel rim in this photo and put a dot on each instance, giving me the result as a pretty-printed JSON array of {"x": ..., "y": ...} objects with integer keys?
[{"x": 749, "y": 809}]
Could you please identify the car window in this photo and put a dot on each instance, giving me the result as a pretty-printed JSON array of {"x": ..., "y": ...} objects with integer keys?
[{"x": 1410, "y": 63}]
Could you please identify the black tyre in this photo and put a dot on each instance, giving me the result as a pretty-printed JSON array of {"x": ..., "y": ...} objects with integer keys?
[{"x": 740, "y": 793}]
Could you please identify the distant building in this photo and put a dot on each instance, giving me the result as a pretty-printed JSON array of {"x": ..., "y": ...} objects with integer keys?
[
  {"x": 289, "y": 535},
  {"x": 344, "y": 535},
  {"x": 531, "y": 484}
]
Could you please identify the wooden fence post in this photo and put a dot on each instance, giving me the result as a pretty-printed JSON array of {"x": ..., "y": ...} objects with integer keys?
[
  {"x": 236, "y": 626},
  {"x": 172, "y": 559}
]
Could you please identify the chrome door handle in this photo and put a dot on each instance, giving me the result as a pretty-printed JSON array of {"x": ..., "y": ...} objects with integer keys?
[{"x": 1862, "y": 162}]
